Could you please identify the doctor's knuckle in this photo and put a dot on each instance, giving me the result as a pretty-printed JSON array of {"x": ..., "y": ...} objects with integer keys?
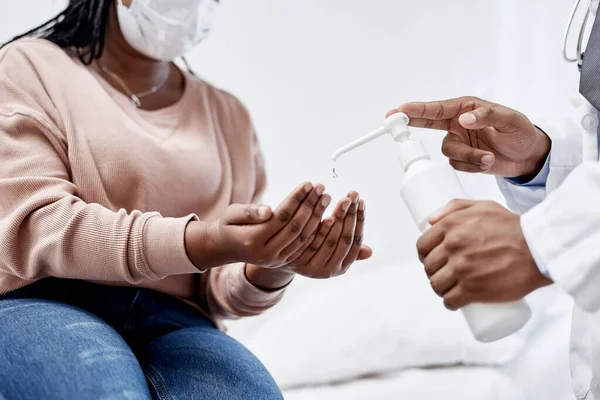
[
  {"x": 429, "y": 268},
  {"x": 455, "y": 203},
  {"x": 493, "y": 205},
  {"x": 446, "y": 148},
  {"x": 454, "y": 241},
  {"x": 460, "y": 266},
  {"x": 472, "y": 99},
  {"x": 422, "y": 248},
  {"x": 450, "y": 303},
  {"x": 435, "y": 287}
]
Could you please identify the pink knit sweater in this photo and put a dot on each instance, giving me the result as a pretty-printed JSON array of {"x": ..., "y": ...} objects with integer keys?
[{"x": 93, "y": 188}]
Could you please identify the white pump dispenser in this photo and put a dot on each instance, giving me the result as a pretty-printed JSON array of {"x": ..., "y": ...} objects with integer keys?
[{"x": 427, "y": 188}]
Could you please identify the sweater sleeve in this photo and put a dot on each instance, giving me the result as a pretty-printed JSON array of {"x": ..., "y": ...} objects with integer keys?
[
  {"x": 47, "y": 230},
  {"x": 226, "y": 292}
]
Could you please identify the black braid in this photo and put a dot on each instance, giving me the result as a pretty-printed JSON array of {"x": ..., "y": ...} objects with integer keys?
[{"x": 80, "y": 29}]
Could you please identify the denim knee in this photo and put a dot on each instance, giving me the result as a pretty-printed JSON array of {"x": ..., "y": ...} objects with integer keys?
[
  {"x": 53, "y": 350},
  {"x": 204, "y": 363}
]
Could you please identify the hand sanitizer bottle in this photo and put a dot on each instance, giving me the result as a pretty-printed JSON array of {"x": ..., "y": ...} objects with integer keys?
[{"x": 428, "y": 187}]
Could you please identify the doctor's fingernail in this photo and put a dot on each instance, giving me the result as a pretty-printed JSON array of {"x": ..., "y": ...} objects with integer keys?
[
  {"x": 264, "y": 211},
  {"x": 361, "y": 205},
  {"x": 325, "y": 201},
  {"x": 468, "y": 118},
  {"x": 320, "y": 190},
  {"x": 488, "y": 159}
]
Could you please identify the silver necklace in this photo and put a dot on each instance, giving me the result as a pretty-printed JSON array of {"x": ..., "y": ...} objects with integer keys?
[{"x": 135, "y": 97}]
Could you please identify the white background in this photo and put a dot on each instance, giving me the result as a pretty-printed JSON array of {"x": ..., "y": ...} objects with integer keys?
[{"x": 316, "y": 74}]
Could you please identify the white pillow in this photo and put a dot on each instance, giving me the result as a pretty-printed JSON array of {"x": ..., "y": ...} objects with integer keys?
[{"x": 388, "y": 319}]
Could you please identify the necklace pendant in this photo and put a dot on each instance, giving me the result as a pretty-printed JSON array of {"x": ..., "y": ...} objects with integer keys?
[{"x": 136, "y": 101}]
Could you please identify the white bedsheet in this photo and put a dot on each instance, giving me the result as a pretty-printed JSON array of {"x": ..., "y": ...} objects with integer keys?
[
  {"x": 447, "y": 384},
  {"x": 541, "y": 372}
]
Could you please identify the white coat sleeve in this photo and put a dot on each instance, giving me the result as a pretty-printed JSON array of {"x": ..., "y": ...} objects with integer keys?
[
  {"x": 563, "y": 230},
  {"x": 521, "y": 196}
]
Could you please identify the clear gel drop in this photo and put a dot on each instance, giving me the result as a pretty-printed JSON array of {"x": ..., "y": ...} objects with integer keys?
[{"x": 333, "y": 173}]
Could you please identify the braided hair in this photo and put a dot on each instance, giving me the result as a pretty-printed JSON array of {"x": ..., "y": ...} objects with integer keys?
[{"x": 80, "y": 29}]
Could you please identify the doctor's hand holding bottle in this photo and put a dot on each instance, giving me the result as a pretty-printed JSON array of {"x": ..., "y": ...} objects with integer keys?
[{"x": 475, "y": 251}]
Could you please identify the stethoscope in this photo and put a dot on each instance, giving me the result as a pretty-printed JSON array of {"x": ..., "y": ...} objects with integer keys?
[
  {"x": 589, "y": 120},
  {"x": 592, "y": 9}
]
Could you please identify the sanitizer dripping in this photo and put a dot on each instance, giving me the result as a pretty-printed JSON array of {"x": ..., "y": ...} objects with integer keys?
[{"x": 333, "y": 173}]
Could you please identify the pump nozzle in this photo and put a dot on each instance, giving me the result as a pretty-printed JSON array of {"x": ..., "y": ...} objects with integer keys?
[{"x": 396, "y": 125}]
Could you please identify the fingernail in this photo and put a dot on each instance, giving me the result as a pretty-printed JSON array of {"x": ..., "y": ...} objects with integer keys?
[
  {"x": 308, "y": 187},
  {"x": 264, "y": 211},
  {"x": 319, "y": 190},
  {"x": 346, "y": 206},
  {"x": 362, "y": 206},
  {"x": 468, "y": 119},
  {"x": 325, "y": 201},
  {"x": 488, "y": 159}
]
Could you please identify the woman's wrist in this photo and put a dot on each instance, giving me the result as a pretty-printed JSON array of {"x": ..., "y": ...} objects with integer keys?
[
  {"x": 203, "y": 246},
  {"x": 268, "y": 279}
]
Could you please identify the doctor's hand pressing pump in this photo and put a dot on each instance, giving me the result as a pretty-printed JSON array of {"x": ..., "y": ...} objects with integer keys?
[
  {"x": 475, "y": 251},
  {"x": 483, "y": 136}
]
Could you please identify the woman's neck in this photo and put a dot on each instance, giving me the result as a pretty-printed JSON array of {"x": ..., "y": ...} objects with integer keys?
[{"x": 132, "y": 73}]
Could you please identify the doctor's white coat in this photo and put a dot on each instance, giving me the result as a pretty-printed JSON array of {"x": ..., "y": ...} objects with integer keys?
[{"x": 561, "y": 222}]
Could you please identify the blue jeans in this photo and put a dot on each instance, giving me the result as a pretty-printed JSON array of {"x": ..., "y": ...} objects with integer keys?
[{"x": 64, "y": 339}]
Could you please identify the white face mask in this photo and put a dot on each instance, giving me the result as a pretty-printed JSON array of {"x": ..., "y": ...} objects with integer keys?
[{"x": 166, "y": 29}]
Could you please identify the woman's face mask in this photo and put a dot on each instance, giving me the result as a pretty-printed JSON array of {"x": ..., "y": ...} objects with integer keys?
[{"x": 166, "y": 29}]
